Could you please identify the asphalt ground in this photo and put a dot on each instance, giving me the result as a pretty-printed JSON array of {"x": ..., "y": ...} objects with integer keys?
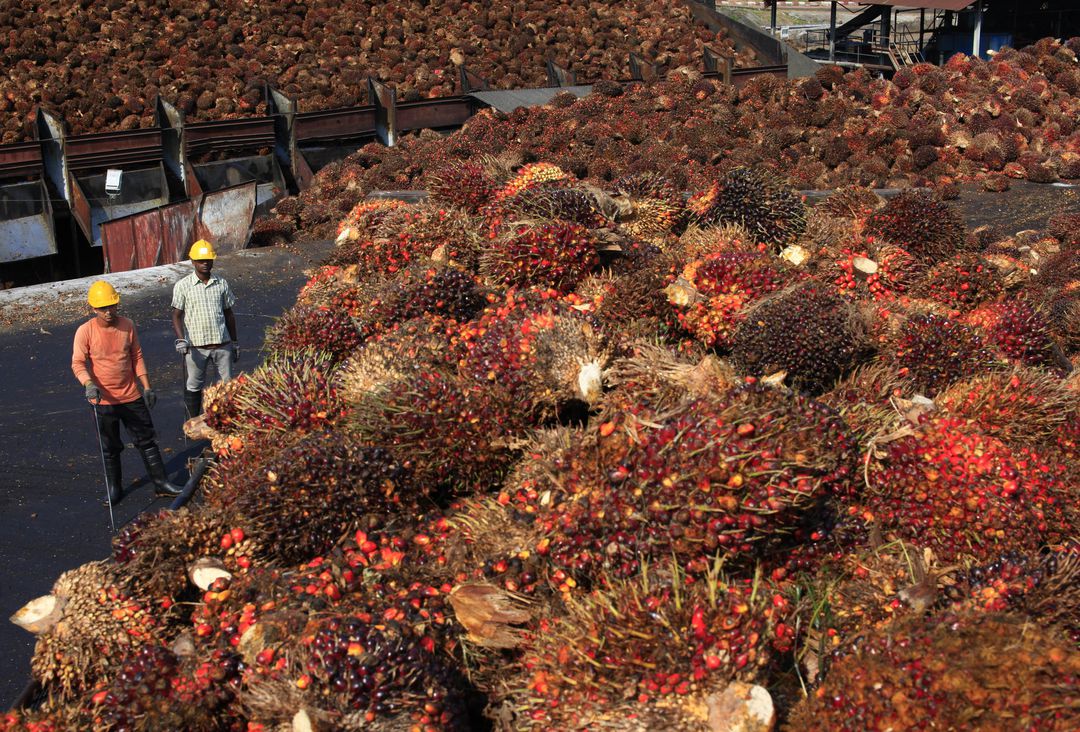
[{"x": 52, "y": 490}]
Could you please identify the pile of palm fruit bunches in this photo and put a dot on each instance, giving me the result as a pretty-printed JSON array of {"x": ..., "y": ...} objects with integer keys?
[{"x": 533, "y": 454}]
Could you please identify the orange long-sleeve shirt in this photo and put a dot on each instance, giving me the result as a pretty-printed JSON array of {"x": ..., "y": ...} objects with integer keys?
[{"x": 112, "y": 357}]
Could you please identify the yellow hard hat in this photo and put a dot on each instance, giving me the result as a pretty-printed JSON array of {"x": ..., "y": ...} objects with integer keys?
[
  {"x": 202, "y": 249},
  {"x": 102, "y": 295}
]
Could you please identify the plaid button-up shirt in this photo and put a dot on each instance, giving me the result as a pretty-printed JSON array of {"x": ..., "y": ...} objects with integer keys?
[{"x": 204, "y": 307}]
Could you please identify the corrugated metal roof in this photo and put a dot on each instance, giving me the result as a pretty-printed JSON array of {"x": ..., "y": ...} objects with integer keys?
[
  {"x": 510, "y": 99},
  {"x": 928, "y": 4}
]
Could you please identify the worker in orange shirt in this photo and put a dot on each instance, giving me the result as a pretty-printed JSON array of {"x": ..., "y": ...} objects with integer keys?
[{"x": 108, "y": 362}]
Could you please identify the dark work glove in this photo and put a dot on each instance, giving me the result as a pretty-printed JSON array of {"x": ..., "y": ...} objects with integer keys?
[
  {"x": 92, "y": 392},
  {"x": 235, "y": 353},
  {"x": 182, "y": 346},
  {"x": 149, "y": 397}
]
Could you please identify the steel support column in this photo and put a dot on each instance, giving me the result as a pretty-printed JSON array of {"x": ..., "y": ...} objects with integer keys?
[
  {"x": 976, "y": 41},
  {"x": 832, "y": 30}
]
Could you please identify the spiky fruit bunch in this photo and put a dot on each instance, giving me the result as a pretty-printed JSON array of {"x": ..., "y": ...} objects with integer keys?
[
  {"x": 962, "y": 493},
  {"x": 645, "y": 639},
  {"x": 365, "y": 673},
  {"x": 932, "y": 351},
  {"x": 533, "y": 176},
  {"x": 1063, "y": 316},
  {"x": 464, "y": 184},
  {"x": 153, "y": 690},
  {"x": 864, "y": 398},
  {"x": 809, "y": 333},
  {"x": 449, "y": 429},
  {"x": 572, "y": 205},
  {"x": 713, "y": 293},
  {"x": 699, "y": 242},
  {"x": 539, "y": 349},
  {"x": 721, "y": 473},
  {"x": 157, "y": 554},
  {"x": 1018, "y": 330},
  {"x": 917, "y": 221},
  {"x": 556, "y": 255},
  {"x": 425, "y": 342},
  {"x": 291, "y": 392},
  {"x": 962, "y": 282},
  {"x": 363, "y": 217},
  {"x": 852, "y": 202},
  {"x": 756, "y": 200},
  {"x": 329, "y": 328},
  {"x": 56, "y": 719},
  {"x": 100, "y": 619},
  {"x": 656, "y": 205},
  {"x": 865, "y": 271},
  {"x": 618, "y": 300},
  {"x": 325, "y": 282},
  {"x": 310, "y": 493},
  {"x": 1044, "y": 587},
  {"x": 944, "y": 672},
  {"x": 652, "y": 378},
  {"x": 1024, "y": 406},
  {"x": 423, "y": 288}
]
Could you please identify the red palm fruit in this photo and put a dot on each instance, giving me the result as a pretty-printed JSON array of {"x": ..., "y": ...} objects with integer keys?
[
  {"x": 542, "y": 351},
  {"x": 961, "y": 493},
  {"x": 1024, "y": 406},
  {"x": 808, "y": 333},
  {"x": 532, "y": 176},
  {"x": 942, "y": 671},
  {"x": 866, "y": 271},
  {"x": 421, "y": 289},
  {"x": 921, "y": 224},
  {"x": 556, "y": 255},
  {"x": 418, "y": 344},
  {"x": 932, "y": 351},
  {"x": 1018, "y": 330},
  {"x": 463, "y": 184},
  {"x": 447, "y": 428},
  {"x": 864, "y": 398},
  {"x": 962, "y": 282},
  {"x": 642, "y": 639},
  {"x": 328, "y": 328},
  {"x": 713, "y": 293}
]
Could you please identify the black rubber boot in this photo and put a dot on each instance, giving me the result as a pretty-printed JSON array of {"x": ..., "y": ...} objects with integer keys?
[
  {"x": 155, "y": 468},
  {"x": 114, "y": 481},
  {"x": 193, "y": 403}
]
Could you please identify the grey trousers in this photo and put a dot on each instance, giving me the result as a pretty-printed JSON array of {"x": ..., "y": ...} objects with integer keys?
[{"x": 197, "y": 359}]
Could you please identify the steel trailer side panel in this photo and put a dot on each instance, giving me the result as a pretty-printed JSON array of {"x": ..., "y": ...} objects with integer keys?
[
  {"x": 26, "y": 223},
  {"x": 225, "y": 216},
  {"x": 433, "y": 114},
  {"x": 118, "y": 244},
  {"x": 146, "y": 229},
  {"x": 177, "y": 231}
]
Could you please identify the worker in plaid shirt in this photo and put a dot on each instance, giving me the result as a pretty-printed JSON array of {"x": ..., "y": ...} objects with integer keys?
[{"x": 205, "y": 327}]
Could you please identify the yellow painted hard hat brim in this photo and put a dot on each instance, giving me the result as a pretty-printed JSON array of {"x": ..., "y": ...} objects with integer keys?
[
  {"x": 102, "y": 295},
  {"x": 202, "y": 249}
]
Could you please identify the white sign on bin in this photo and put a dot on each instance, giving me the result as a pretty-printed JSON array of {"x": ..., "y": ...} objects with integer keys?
[{"x": 112, "y": 181}]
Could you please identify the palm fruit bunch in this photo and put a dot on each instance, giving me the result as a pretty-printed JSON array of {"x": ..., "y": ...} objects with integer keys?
[
  {"x": 310, "y": 493},
  {"x": 353, "y": 672},
  {"x": 1018, "y": 330},
  {"x": 573, "y": 205},
  {"x": 155, "y": 689},
  {"x": 418, "y": 343},
  {"x": 538, "y": 348},
  {"x": 962, "y": 493},
  {"x": 462, "y": 183},
  {"x": 1045, "y": 587},
  {"x": 652, "y": 641},
  {"x": 655, "y": 206},
  {"x": 326, "y": 327},
  {"x": 446, "y": 428},
  {"x": 864, "y": 398},
  {"x": 633, "y": 305},
  {"x": 351, "y": 231},
  {"x": 961, "y": 283},
  {"x": 945, "y": 671},
  {"x": 323, "y": 283},
  {"x": 698, "y": 242},
  {"x": 1062, "y": 310},
  {"x": 1021, "y": 406},
  {"x": 712, "y": 294},
  {"x": 557, "y": 254},
  {"x": 810, "y": 334},
  {"x": 533, "y": 176},
  {"x": 857, "y": 203},
  {"x": 96, "y": 618},
  {"x": 865, "y": 269},
  {"x": 418, "y": 289},
  {"x": 719, "y": 473},
  {"x": 291, "y": 392},
  {"x": 755, "y": 199},
  {"x": 920, "y": 223},
  {"x": 931, "y": 351},
  {"x": 656, "y": 379},
  {"x": 156, "y": 555},
  {"x": 58, "y": 719}
]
